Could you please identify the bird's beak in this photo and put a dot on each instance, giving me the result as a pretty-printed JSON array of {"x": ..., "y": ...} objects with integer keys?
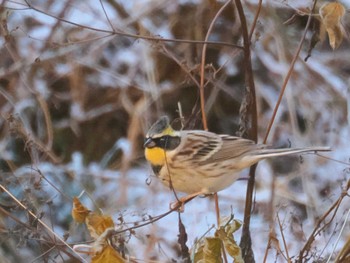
[{"x": 149, "y": 143}]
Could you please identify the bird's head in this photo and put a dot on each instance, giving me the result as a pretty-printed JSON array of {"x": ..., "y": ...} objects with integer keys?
[{"x": 160, "y": 137}]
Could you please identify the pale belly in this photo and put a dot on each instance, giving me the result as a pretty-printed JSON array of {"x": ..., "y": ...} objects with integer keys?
[{"x": 204, "y": 179}]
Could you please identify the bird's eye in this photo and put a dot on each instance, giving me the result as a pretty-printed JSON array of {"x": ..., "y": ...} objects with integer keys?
[{"x": 163, "y": 139}]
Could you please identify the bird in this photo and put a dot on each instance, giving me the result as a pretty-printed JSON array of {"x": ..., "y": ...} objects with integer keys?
[{"x": 199, "y": 162}]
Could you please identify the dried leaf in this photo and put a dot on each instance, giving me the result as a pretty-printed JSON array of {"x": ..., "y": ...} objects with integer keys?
[
  {"x": 97, "y": 224},
  {"x": 107, "y": 255},
  {"x": 225, "y": 234},
  {"x": 79, "y": 212},
  {"x": 99, "y": 227},
  {"x": 232, "y": 226},
  {"x": 209, "y": 251},
  {"x": 182, "y": 240},
  {"x": 198, "y": 255},
  {"x": 230, "y": 244},
  {"x": 331, "y": 15}
]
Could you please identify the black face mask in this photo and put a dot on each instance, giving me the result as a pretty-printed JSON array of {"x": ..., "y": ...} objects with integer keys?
[{"x": 166, "y": 142}]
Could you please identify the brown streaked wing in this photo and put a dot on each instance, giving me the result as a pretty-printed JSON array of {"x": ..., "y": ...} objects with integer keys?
[
  {"x": 234, "y": 147},
  {"x": 199, "y": 145}
]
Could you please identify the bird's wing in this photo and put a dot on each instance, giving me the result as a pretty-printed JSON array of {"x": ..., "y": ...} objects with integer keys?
[
  {"x": 234, "y": 148},
  {"x": 197, "y": 146},
  {"x": 204, "y": 147}
]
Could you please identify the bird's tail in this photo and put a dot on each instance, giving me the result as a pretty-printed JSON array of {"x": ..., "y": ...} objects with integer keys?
[{"x": 267, "y": 153}]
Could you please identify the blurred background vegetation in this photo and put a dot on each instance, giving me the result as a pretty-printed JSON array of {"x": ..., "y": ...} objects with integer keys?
[{"x": 82, "y": 81}]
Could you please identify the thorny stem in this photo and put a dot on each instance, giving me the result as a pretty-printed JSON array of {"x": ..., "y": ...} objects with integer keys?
[{"x": 245, "y": 243}]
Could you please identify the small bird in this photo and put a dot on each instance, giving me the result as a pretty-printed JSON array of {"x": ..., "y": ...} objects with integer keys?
[{"x": 200, "y": 162}]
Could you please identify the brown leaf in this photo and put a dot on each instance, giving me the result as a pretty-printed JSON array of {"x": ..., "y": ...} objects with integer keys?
[
  {"x": 97, "y": 224},
  {"x": 79, "y": 212},
  {"x": 107, "y": 255},
  {"x": 331, "y": 15}
]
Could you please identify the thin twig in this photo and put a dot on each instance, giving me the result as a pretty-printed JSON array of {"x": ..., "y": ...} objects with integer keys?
[
  {"x": 47, "y": 118},
  {"x": 183, "y": 66},
  {"x": 268, "y": 246},
  {"x": 9, "y": 215},
  {"x": 344, "y": 252},
  {"x": 333, "y": 160},
  {"x": 283, "y": 239},
  {"x": 289, "y": 73},
  {"x": 204, "y": 51},
  {"x": 119, "y": 33},
  {"x": 152, "y": 220},
  {"x": 318, "y": 227},
  {"x": 340, "y": 233},
  {"x": 105, "y": 12},
  {"x": 255, "y": 20},
  {"x": 284, "y": 86}
]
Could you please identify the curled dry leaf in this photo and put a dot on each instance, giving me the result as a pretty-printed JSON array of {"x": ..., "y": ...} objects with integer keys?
[
  {"x": 79, "y": 212},
  {"x": 331, "y": 15},
  {"x": 98, "y": 224},
  {"x": 99, "y": 227},
  {"x": 230, "y": 245},
  {"x": 225, "y": 234}
]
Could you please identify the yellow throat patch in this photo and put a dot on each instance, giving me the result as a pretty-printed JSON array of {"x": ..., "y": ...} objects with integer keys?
[{"x": 156, "y": 156}]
